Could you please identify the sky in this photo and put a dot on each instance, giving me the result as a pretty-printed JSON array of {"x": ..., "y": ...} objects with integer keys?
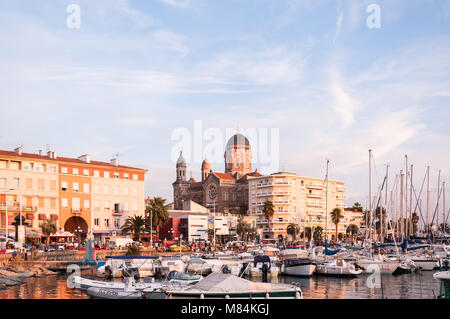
[{"x": 135, "y": 72}]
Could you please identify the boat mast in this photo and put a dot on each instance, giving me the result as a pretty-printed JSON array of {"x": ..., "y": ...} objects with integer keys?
[
  {"x": 406, "y": 197},
  {"x": 411, "y": 228},
  {"x": 427, "y": 228},
  {"x": 443, "y": 210},
  {"x": 402, "y": 222},
  {"x": 438, "y": 200},
  {"x": 370, "y": 194},
  {"x": 385, "y": 204},
  {"x": 326, "y": 204}
]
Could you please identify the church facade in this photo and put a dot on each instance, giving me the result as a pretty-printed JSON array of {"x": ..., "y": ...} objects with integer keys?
[{"x": 220, "y": 192}]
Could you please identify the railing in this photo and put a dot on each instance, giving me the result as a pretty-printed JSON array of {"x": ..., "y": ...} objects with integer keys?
[
  {"x": 314, "y": 196},
  {"x": 315, "y": 186}
]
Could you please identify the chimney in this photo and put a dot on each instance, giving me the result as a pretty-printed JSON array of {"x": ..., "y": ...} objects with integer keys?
[
  {"x": 18, "y": 150},
  {"x": 40, "y": 152},
  {"x": 85, "y": 158},
  {"x": 115, "y": 162}
]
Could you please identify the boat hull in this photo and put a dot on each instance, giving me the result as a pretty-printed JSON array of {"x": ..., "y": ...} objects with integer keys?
[{"x": 306, "y": 270}]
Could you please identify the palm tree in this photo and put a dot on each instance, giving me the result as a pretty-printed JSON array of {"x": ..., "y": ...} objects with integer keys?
[
  {"x": 352, "y": 229},
  {"x": 134, "y": 225},
  {"x": 252, "y": 234},
  {"x": 357, "y": 207},
  {"x": 318, "y": 232},
  {"x": 307, "y": 233},
  {"x": 243, "y": 229},
  {"x": 293, "y": 230},
  {"x": 336, "y": 216},
  {"x": 48, "y": 227},
  {"x": 158, "y": 210},
  {"x": 268, "y": 211}
]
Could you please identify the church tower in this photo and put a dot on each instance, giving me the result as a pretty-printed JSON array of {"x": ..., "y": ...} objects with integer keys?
[
  {"x": 206, "y": 169},
  {"x": 180, "y": 186},
  {"x": 238, "y": 156}
]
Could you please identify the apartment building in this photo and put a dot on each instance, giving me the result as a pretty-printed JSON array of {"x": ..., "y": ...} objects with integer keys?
[
  {"x": 81, "y": 195},
  {"x": 296, "y": 199},
  {"x": 28, "y": 185}
]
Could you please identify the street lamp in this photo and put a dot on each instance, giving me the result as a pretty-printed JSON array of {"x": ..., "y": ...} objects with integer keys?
[
  {"x": 78, "y": 231},
  {"x": 6, "y": 211}
]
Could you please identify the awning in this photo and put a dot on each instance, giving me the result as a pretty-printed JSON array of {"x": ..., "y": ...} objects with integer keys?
[
  {"x": 29, "y": 216},
  {"x": 62, "y": 234},
  {"x": 54, "y": 216},
  {"x": 42, "y": 217}
]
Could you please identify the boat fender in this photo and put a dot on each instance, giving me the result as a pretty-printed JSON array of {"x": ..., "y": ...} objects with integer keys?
[
  {"x": 267, "y": 295},
  {"x": 202, "y": 296}
]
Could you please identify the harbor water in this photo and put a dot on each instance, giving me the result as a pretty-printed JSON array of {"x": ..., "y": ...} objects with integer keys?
[{"x": 412, "y": 286}]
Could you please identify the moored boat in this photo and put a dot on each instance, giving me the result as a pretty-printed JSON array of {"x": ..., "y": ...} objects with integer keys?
[{"x": 301, "y": 267}]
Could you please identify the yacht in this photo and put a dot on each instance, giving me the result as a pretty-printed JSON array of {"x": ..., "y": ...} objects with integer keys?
[{"x": 302, "y": 267}]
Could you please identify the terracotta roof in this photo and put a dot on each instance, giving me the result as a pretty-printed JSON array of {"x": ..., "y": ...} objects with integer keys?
[
  {"x": 196, "y": 185},
  {"x": 224, "y": 176},
  {"x": 64, "y": 159},
  {"x": 253, "y": 174}
]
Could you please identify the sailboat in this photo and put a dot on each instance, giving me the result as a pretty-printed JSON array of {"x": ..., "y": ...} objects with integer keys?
[{"x": 338, "y": 266}]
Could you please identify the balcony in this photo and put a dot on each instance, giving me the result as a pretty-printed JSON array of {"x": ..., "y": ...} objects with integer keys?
[
  {"x": 315, "y": 186},
  {"x": 341, "y": 189},
  {"x": 16, "y": 208},
  {"x": 315, "y": 196},
  {"x": 315, "y": 205},
  {"x": 76, "y": 211},
  {"x": 120, "y": 212}
]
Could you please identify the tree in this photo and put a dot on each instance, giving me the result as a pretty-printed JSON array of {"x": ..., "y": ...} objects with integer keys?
[
  {"x": 318, "y": 233},
  {"x": 293, "y": 230},
  {"x": 352, "y": 230},
  {"x": 243, "y": 229},
  {"x": 268, "y": 211},
  {"x": 357, "y": 207},
  {"x": 252, "y": 234},
  {"x": 307, "y": 233},
  {"x": 157, "y": 209},
  {"x": 48, "y": 227},
  {"x": 445, "y": 228},
  {"x": 336, "y": 216},
  {"x": 134, "y": 225}
]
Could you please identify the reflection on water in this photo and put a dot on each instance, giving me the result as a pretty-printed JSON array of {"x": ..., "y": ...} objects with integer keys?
[{"x": 413, "y": 286}]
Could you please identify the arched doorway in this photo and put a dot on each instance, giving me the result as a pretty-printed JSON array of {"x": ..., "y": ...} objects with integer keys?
[{"x": 73, "y": 223}]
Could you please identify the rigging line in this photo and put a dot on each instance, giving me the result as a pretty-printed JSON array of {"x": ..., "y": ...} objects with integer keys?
[
  {"x": 437, "y": 204},
  {"x": 376, "y": 171},
  {"x": 417, "y": 199}
]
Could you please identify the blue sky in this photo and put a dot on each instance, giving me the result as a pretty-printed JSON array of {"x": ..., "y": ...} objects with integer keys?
[{"x": 137, "y": 70}]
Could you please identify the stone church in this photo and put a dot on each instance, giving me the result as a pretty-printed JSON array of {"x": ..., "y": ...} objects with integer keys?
[{"x": 220, "y": 192}]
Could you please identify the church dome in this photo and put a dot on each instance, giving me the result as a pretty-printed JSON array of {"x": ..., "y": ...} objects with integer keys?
[{"x": 238, "y": 141}]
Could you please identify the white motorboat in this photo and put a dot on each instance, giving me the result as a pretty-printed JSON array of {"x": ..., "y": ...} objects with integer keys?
[
  {"x": 427, "y": 263},
  {"x": 405, "y": 267},
  {"x": 198, "y": 266},
  {"x": 224, "y": 286},
  {"x": 444, "y": 277},
  {"x": 84, "y": 284},
  {"x": 263, "y": 267},
  {"x": 378, "y": 263},
  {"x": 166, "y": 264},
  {"x": 111, "y": 268},
  {"x": 338, "y": 267},
  {"x": 302, "y": 267}
]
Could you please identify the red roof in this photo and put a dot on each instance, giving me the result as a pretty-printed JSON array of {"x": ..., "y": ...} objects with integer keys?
[
  {"x": 196, "y": 185},
  {"x": 64, "y": 159},
  {"x": 253, "y": 174},
  {"x": 224, "y": 176}
]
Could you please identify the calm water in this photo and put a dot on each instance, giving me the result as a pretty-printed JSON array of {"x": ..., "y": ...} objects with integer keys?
[{"x": 413, "y": 286}]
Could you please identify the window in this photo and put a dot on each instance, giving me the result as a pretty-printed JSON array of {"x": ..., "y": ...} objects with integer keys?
[
  {"x": 86, "y": 204},
  {"x": 64, "y": 203},
  {"x": 29, "y": 182},
  {"x": 135, "y": 192},
  {"x": 53, "y": 185},
  {"x": 106, "y": 205},
  {"x": 86, "y": 172},
  {"x": 97, "y": 221},
  {"x": 14, "y": 165},
  {"x": 64, "y": 170},
  {"x": 16, "y": 182},
  {"x": 41, "y": 202},
  {"x": 38, "y": 167},
  {"x": 29, "y": 202},
  {"x": 3, "y": 164},
  {"x": 41, "y": 184},
  {"x": 96, "y": 173},
  {"x": 96, "y": 189},
  {"x": 3, "y": 182},
  {"x": 76, "y": 203},
  {"x": 135, "y": 177},
  {"x": 116, "y": 175},
  {"x": 106, "y": 222},
  {"x": 64, "y": 186},
  {"x": 26, "y": 166},
  {"x": 52, "y": 168},
  {"x": 76, "y": 187},
  {"x": 86, "y": 188},
  {"x": 75, "y": 171},
  {"x": 116, "y": 223},
  {"x": 96, "y": 205},
  {"x": 53, "y": 203},
  {"x": 135, "y": 207},
  {"x": 125, "y": 176},
  {"x": 106, "y": 174}
]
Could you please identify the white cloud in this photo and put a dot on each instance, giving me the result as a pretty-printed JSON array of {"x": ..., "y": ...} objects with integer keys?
[{"x": 178, "y": 3}]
